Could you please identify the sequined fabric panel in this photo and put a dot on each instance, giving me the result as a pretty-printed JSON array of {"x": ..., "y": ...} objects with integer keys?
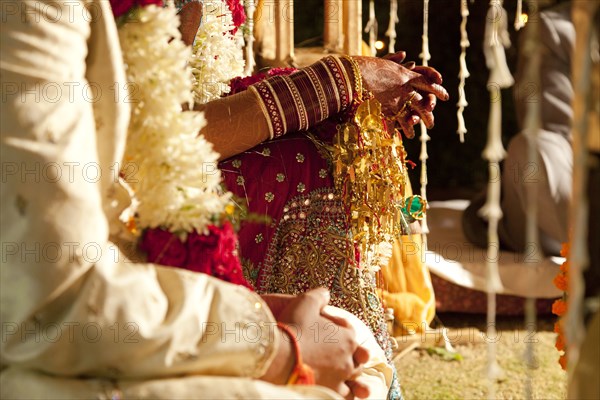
[{"x": 306, "y": 244}]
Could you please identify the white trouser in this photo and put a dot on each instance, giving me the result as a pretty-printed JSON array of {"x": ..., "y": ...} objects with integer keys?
[{"x": 551, "y": 175}]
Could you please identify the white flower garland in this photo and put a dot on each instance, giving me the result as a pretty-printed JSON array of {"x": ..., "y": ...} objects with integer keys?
[
  {"x": 177, "y": 181},
  {"x": 217, "y": 55}
]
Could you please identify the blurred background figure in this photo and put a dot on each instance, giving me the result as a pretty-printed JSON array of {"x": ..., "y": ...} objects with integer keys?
[{"x": 553, "y": 172}]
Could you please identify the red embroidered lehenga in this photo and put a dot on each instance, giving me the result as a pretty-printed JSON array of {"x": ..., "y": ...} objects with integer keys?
[{"x": 306, "y": 242}]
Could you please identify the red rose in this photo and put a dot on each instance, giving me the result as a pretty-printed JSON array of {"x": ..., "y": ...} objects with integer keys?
[
  {"x": 237, "y": 12},
  {"x": 144, "y": 3},
  {"x": 121, "y": 7},
  {"x": 202, "y": 250},
  {"x": 216, "y": 254},
  {"x": 163, "y": 247},
  {"x": 227, "y": 264},
  {"x": 239, "y": 84}
]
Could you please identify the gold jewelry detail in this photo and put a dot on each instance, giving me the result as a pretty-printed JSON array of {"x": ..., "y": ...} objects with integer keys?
[
  {"x": 369, "y": 170},
  {"x": 357, "y": 76},
  {"x": 405, "y": 108},
  {"x": 408, "y": 103}
]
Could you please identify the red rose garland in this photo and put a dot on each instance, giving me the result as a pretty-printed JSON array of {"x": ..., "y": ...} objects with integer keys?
[
  {"x": 213, "y": 254},
  {"x": 237, "y": 12}
]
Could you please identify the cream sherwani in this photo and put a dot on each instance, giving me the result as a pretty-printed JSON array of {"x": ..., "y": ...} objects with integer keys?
[{"x": 78, "y": 319}]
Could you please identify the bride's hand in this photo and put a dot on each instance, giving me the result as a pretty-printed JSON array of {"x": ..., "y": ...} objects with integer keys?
[
  {"x": 190, "y": 17},
  {"x": 407, "y": 95}
]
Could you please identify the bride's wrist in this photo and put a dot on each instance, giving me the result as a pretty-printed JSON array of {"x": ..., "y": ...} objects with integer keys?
[{"x": 299, "y": 101}]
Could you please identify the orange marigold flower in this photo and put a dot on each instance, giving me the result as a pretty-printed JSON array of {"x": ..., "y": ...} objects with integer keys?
[
  {"x": 564, "y": 267},
  {"x": 560, "y": 343},
  {"x": 559, "y": 307},
  {"x": 563, "y": 361},
  {"x": 131, "y": 225},
  {"x": 558, "y": 327},
  {"x": 565, "y": 248},
  {"x": 561, "y": 282}
]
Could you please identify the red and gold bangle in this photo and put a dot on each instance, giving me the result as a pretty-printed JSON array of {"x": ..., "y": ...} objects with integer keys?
[
  {"x": 270, "y": 108},
  {"x": 316, "y": 79},
  {"x": 342, "y": 80},
  {"x": 301, "y": 111},
  {"x": 356, "y": 76},
  {"x": 307, "y": 97},
  {"x": 302, "y": 374}
]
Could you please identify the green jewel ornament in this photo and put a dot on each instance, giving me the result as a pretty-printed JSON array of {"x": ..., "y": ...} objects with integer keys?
[{"x": 414, "y": 208}]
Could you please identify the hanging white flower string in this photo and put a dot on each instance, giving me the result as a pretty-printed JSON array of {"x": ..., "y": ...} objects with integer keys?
[
  {"x": 531, "y": 53},
  {"x": 371, "y": 28},
  {"x": 495, "y": 40},
  {"x": 391, "y": 30},
  {"x": 519, "y": 23},
  {"x": 249, "y": 37},
  {"x": 424, "y": 138},
  {"x": 463, "y": 73}
]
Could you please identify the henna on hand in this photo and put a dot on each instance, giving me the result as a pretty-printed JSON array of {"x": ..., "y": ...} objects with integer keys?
[
  {"x": 397, "y": 88},
  {"x": 190, "y": 17}
]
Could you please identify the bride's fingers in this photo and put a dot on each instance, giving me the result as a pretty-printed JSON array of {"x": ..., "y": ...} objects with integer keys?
[
  {"x": 423, "y": 108},
  {"x": 396, "y": 57},
  {"x": 406, "y": 124},
  {"x": 429, "y": 72},
  {"x": 425, "y": 85},
  {"x": 429, "y": 102},
  {"x": 427, "y": 118}
]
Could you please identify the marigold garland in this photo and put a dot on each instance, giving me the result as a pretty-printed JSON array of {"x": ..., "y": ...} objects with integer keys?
[{"x": 559, "y": 307}]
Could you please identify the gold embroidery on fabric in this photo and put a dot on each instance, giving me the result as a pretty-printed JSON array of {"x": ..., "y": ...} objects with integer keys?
[{"x": 310, "y": 249}]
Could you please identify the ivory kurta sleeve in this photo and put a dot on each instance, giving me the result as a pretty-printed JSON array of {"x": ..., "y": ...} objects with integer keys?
[{"x": 71, "y": 304}]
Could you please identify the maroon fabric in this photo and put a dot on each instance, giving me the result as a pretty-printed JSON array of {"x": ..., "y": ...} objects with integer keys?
[
  {"x": 307, "y": 242},
  {"x": 454, "y": 298},
  {"x": 266, "y": 178}
]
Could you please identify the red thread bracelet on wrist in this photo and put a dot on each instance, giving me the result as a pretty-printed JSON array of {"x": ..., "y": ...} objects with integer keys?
[{"x": 302, "y": 374}]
